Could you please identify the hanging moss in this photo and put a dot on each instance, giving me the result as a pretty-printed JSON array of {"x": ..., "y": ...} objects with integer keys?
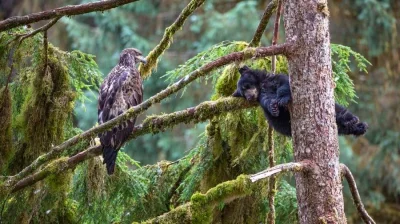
[
  {"x": 226, "y": 83},
  {"x": 95, "y": 179},
  {"x": 5, "y": 127},
  {"x": 45, "y": 110}
]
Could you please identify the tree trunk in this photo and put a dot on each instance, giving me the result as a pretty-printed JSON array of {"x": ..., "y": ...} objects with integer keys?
[{"x": 319, "y": 191}]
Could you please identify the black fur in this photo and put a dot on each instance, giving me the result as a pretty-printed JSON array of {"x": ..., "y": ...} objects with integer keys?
[{"x": 273, "y": 94}]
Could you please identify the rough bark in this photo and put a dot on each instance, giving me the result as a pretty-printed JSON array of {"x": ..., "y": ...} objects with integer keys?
[{"x": 319, "y": 191}]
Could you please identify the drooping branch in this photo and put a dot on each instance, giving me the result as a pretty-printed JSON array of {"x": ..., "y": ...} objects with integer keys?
[
  {"x": 69, "y": 10},
  {"x": 356, "y": 196},
  {"x": 263, "y": 23},
  {"x": 285, "y": 48},
  {"x": 152, "y": 124},
  {"x": 152, "y": 58},
  {"x": 280, "y": 168}
]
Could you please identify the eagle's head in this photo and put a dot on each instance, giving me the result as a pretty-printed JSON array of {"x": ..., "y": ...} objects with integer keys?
[{"x": 130, "y": 57}]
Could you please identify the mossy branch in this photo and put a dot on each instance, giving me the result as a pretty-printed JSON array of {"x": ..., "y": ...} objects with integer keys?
[
  {"x": 263, "y": 23},
  {"x": 152, "y": 58},
  {"x": 152, "y": 124},
  {"x": 356, "y": 196},
  {"x": 201, "y": 206},
  {"x": 69, "y": 10},
  {"x": 285, "y": 49}
]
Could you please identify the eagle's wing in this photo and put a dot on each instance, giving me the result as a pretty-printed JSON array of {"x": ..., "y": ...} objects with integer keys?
[
  {"x": 117, "y": 94},
  {"x": 108, "y": 96},
  {"x": 134, "y": 96}
]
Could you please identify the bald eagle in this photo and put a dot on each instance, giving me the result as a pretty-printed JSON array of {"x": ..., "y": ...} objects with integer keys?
[{"x": 120, "y": 90}]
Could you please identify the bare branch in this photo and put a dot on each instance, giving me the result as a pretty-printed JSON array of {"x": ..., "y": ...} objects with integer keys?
[
  {"x": 263, "y": 23},
  {"x": 62, "y": 11},
  {"x": 285, "y": 48},
  {"x": 152, "y": 124},
  {"x": 276, "y": 33},
  {"x": 272, "y": 179},
  {"x": 153, "y": 56},
  {"x": 279, "y": 168},
  {"x": 41, "y": 29},
  {"x": 356, "y": 196}
]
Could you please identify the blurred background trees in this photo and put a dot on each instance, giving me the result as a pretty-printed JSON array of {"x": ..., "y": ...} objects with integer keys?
[{"x": 369, "y": 27}]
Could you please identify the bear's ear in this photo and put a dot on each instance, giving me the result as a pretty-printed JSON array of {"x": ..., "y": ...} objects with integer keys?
[
  {"x": 243, "y": 69},
  {"x": 236, "y": 93}
]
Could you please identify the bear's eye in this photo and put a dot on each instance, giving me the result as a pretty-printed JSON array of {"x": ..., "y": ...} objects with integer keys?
[{"x": 246, "y": 86}]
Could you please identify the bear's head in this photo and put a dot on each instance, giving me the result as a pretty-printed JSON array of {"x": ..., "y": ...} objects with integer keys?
[{"x": 248, "y": 85}]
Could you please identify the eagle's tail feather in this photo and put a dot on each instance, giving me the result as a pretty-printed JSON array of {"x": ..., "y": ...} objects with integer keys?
[{"x": 109, "y": 157}]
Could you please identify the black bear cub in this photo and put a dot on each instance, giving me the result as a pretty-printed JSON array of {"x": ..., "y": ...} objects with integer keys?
[{"x": 273, "y": 94}]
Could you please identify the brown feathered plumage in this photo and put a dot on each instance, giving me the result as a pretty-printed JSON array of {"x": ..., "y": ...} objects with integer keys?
[{"x": 121, "y": 89}]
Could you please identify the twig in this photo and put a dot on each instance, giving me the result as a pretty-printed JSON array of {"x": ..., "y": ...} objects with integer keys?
[
  {"x": 356, "y": 196},
  {"x": 44, "y": 28},
  {"x": 69, "y": 10},
  {"x": 11, "y": 63},
  {"x": 279, "y": 168},
  {"x": 272, "y": 179},
  {"x": 285, "y": 48},
  {"x": 263, "y": 23},
  {"x": 276, "y": 33},
  {"x": 45, "y": 51},
  {"x": 153, "y": 56},
  {"x": 153, "y": 124}
]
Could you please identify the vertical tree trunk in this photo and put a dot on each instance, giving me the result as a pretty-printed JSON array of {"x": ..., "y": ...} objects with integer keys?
[{"x": 319, "y": 191}]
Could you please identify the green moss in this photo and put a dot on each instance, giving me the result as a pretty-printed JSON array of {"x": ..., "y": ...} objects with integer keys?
[
  {"x": 181, "y": 214},
  {"x": 226, "y": 83},
  {"x": 45, "y": 110},
  {"x": 95, "y": 179},
  {"x": 203, "y": 205}
]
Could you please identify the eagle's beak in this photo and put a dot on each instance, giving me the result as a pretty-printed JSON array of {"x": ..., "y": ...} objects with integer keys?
[{"x": 142, "y": 59}]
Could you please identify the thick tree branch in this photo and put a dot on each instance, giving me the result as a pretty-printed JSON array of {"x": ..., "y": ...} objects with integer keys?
[
  {"x": 152, "y": 58},
  {"x": 62, "y": 11},
  {"x": 280, "y": 168},
  {"x": 152, "y": 124},
  {"x": 356, "y": 196},
  {"x": 263, "y": 23},
  {"x": 285, "y": 48}
]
